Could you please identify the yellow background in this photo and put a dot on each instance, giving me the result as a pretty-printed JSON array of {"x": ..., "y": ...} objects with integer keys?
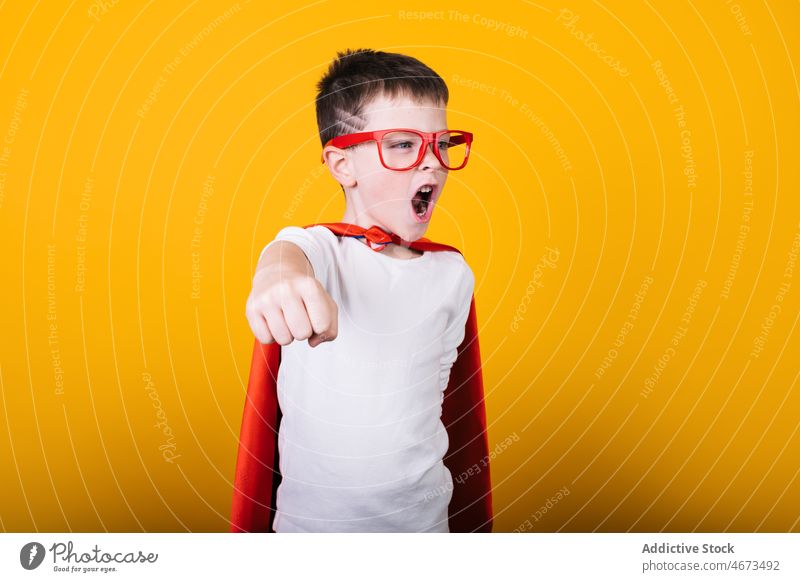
[{"x": 150, "y": 150}]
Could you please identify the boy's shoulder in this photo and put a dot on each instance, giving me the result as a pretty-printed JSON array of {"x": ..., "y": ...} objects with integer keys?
[
  {"x": 446, "y": 256},
  {"x": 323, "y": 233},
  {"x": 450, "y": 265}
]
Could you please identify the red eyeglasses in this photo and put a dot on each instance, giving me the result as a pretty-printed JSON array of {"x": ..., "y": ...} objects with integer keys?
[{"x": 403, "y": 149}]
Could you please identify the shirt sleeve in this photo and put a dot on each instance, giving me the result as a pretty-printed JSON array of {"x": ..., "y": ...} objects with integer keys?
[
  {"x": 311, "y": 242},
  {"x": 456, "y": 325}
]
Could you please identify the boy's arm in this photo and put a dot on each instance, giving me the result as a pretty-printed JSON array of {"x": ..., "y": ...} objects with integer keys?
[
  {"x": 464, "y": 416},
  {"x": 454, "y": 332},
  {"x": 286, "y": 255},
  {"x": 287, "y": 302}
]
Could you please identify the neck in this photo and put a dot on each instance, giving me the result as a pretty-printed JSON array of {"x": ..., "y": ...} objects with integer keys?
[
  {"x": 400, "y": 252},
  {"x": 391, "y": 249},
  {"x": 353, "y": 217}
]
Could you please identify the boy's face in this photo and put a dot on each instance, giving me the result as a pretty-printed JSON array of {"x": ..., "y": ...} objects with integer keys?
[{"x": 383, "y": 197}]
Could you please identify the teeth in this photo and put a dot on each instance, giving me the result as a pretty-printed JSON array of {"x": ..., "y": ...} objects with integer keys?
[{"x": 427, "y": 189}]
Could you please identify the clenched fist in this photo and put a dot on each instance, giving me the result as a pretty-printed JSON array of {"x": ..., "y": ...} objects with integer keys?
[{"x": 287, "y": 302}]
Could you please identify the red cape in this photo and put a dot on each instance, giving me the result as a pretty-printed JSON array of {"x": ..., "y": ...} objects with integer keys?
[{"x": 463, "y": 415}]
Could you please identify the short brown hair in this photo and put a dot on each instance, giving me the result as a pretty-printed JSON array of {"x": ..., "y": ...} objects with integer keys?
[{"x": 357, "y": 76}]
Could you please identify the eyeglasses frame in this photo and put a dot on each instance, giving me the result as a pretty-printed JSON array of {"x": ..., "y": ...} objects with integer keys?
[{"x": 351, "y": 139}]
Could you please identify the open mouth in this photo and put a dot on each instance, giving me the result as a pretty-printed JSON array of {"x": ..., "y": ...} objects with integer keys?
[{"x": 422, "y": 203}]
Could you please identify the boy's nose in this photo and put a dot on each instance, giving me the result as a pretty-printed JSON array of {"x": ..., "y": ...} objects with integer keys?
[{"x": 429, "y": 159}]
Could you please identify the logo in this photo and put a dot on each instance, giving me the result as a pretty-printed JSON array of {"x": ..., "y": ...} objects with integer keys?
[{"x": 31, "y": 555}]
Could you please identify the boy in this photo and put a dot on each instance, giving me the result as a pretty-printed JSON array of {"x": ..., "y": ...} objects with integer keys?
[{"x": 361, "y": 440}]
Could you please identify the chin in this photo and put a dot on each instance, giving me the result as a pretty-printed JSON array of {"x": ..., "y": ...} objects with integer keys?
[{"x": 412, "y": 233}]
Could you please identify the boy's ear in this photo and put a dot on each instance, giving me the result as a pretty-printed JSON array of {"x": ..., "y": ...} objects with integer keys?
[{"x": 336, "y": 160}]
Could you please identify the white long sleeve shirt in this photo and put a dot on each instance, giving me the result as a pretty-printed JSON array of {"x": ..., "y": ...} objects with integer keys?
[{"x": 361, "y": 440}]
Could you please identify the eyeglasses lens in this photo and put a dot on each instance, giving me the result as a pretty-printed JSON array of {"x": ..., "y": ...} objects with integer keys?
[{"x": 400, "y": 149}]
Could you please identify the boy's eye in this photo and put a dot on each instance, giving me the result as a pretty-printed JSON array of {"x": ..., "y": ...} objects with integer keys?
[
  {"x": 443, "y": 145},
  {"x": 402, "y": 145}
]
